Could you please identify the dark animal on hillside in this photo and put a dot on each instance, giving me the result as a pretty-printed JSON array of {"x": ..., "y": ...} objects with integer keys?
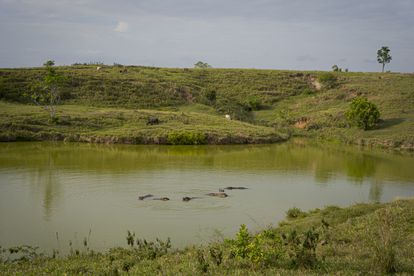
[{"x": 153, "y": 121}]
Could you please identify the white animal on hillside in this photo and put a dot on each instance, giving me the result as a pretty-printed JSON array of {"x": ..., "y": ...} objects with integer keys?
[
  {"x": 98, "y": 68},
  {"x": 227, "y": 117}
]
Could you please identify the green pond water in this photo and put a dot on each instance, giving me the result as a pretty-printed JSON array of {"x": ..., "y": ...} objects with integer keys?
[{"x": 81, "y": 190}]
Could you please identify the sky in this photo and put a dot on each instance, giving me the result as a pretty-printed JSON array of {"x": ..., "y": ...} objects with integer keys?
[{"x": 274, "y": 34}]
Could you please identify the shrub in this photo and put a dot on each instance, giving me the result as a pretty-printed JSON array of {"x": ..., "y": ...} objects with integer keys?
[
  {"x": 152, "y": 250},
  {"x": 19, "y": 253},
  {"x": 216, "y": 254},
  {"x": 262, "y": 249},
  {"x": 302, "y": 248},
  {"x": 384, "y": 235},
  {"x": 186, "y": 138},
  {"x": 126, "y": 265},
  {"x": 237, "y": 110},
  {"x": 241, "y": 243},
  {"x": 363, "y": 113},
  {"x": 210, "y": 95},
  {"x": 202, "y": 262},
  {"x": 308, "y": 91},
  {"x": 130, "y": 238},
  {"x": 256, "y": 251},
  {"x": 252, "y": 103},
  {"x": 149, "y": 250},
  {"x": 295, "y": 213},
  {"x": 328, "y": 80}
]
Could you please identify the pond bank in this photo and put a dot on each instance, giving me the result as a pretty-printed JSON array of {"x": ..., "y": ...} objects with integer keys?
[
  {"x": 364, "y": 238},
  {"x": 128, "y": 126},
  {"x": 77, "y": 123}
]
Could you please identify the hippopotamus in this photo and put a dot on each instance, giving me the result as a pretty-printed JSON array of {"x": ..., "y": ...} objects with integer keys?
[
  {"x": 235, "y": 188},
  {"x": 145, "y": 196},
  {"x": 187, "y": 198},
  {"x": 161, "y": 198},
  {"x": 219, "y": 194}
]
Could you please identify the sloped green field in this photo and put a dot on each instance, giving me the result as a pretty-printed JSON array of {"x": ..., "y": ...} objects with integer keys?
[{"x": 270, "y": 101}]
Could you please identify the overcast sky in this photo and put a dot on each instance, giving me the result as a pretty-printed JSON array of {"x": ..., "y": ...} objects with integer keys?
[{"x": 280, "y": 34}]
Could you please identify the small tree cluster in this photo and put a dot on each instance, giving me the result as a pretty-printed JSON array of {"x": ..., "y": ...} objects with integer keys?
[
  {"x": 335, "y": 68},
  {"x": 363, "y": 113},
  {"x": 201, "y": 64}
]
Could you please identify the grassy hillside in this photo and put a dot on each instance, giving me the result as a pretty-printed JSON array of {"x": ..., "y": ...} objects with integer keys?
[
  {"x": 368, "y": 239},
  {"x": 149, "y": 88},
  {"x": 269, "y": 100},
  {"x": 323, "y": 113},
  {"x": 129, "y": 126}
]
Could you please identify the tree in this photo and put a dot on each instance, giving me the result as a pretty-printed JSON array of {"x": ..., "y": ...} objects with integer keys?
[
  {"x": 335, "y": 68},
  {"x": 383, "y": 56},
  {"x": 363, "y": 113},
  {"x": 46, "y": 92},
  {"x": 49, "y": 63},
  {"x": 201, "y": 64}
]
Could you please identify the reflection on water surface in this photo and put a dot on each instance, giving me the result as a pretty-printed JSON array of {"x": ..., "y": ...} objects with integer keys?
[{"x": 74, "y": 188}]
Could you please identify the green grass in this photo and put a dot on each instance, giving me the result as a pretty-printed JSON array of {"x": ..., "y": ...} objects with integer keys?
[
  {"x": 324, "y": 111},
  {"x": 369, "y": 239},
  {"x": 121, "y": 125},
  {"x": 285, "y": 100}
]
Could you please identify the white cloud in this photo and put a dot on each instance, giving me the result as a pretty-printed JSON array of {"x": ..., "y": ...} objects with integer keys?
[{"x": 121, "y": 27}]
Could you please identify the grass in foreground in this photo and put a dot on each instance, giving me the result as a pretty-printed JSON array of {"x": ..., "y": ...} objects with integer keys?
[{"x": 367, "y": 239}]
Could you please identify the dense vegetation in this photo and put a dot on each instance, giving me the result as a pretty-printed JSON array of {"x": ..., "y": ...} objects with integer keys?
[
  {"x": 280, "y": 103},
  {"x": 363, "y": 113},
  {"x": 369, "y": 239}
]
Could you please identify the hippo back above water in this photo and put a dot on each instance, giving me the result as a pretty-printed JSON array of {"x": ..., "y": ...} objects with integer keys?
[{"x": 219, "y": 194}]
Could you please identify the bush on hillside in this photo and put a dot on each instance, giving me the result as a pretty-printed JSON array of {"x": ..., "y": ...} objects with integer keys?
[
  {"x": 210, "y": 95},
  {"x": 252, "y": 103},
  {"x": 186, "y": 138},
  {"x": 295, "y": 213},
  {"x": 328, "y": 80},
  {"x": 237, "y": 110},
  {"x": 363, "y": 113}
]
